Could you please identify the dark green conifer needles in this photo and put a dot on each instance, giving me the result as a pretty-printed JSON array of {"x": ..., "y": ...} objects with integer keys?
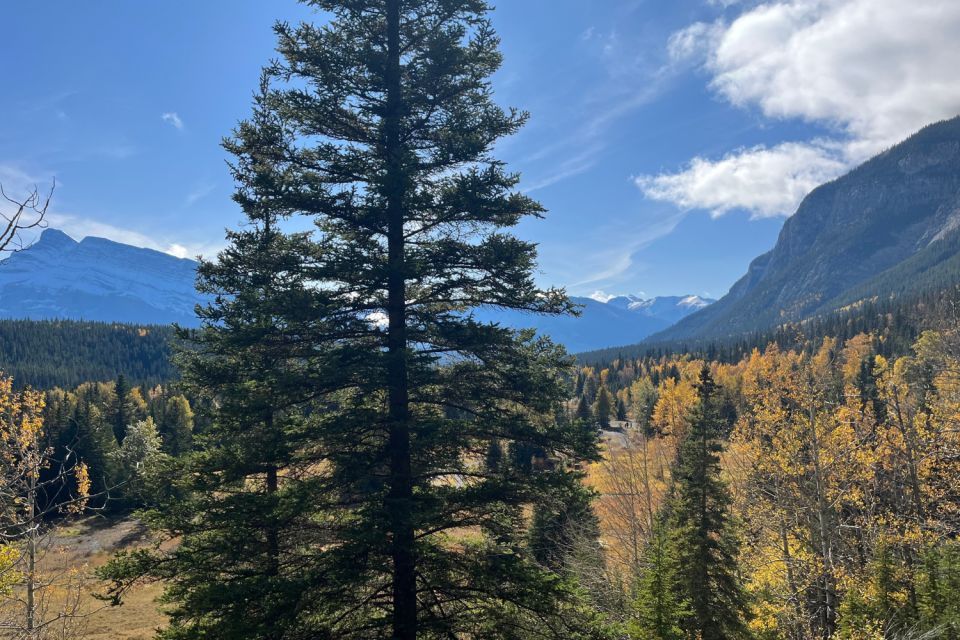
[{"x": 344, "y": 490}]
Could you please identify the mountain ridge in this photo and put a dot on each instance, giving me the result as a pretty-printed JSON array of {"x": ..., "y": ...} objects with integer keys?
[{"x": 97, "y": 279}]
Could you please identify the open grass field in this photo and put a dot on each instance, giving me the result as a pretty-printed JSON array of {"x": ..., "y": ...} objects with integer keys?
[{"x": 82, "y": 547}]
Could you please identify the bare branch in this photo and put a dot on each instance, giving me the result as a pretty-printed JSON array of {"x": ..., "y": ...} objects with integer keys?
[{"x": 21, "y": 214}]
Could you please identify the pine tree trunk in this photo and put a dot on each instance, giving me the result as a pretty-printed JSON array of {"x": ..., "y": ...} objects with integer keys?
[
  {"x": 273, "y": 543},
  {"x": 400, "y": 498}
]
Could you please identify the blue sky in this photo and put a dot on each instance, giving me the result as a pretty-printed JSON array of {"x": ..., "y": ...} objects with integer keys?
[{"x": 668, "y": 139}]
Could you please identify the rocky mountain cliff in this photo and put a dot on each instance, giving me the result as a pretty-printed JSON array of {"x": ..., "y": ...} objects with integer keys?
[{"x": 890, "y": 226}]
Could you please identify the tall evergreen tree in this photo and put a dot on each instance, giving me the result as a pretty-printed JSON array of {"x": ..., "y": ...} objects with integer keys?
[
  {"x": 702, "y": 528},
  {"x": 93, "y": 438},
  {"x": 122, "y": 414},
  {"x": 177, "y": 431},
  {"x": 584, "y": 413},
  {"x": 660, "y": 607},
  {"x": 355, "y": 389},
  {"x": 622, "y": 410},
  {"x": 561, "y": 527},
  {"x": 249, "y": 511},
  {"x": 603, "y": 407}
]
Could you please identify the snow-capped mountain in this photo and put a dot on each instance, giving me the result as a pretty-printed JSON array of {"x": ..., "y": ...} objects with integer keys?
[
  {"x": 669, "y": 308},
  {"x": 97, "y": 279}
]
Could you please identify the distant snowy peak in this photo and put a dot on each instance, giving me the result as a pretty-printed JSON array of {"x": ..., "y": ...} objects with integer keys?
[
  {"x": 695, "y": 302},
  {"x": 629, "y": 301},
  {"x": 658, "y": 306}
]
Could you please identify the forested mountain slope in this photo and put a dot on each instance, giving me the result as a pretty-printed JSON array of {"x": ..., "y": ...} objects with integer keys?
[
  {"x": 888, "y": 227},
  {"x": 66, "y": 353}
]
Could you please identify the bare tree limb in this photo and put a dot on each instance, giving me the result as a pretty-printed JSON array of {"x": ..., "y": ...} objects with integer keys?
[{"x": 22, "y": 214}]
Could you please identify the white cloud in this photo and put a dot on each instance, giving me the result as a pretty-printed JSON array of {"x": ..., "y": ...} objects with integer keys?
[
  {"x": 173, "y": 118},
  {"x": 79, "y": 227},
  {"x": 873, "y": 71},
  {"x": 764, "y": 181},
  {"x": 879, "y": 69},
  {"x": 179, "y": 251},
  {"x": 695, "y": 41}
]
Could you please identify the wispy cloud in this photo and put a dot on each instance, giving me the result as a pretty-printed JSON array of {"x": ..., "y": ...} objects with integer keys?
[
  {"x": 628, "y": 79},
  {"x": 79, "y": 227},
  {"x": 614, "y": 257},
  {"x": 199, "y": 193},
  {"x": 51, "y": 102},
  {"x": 174, "y": 119},
  {"x": 16, "y": 180},
  {"x": 572, "y": 166}
]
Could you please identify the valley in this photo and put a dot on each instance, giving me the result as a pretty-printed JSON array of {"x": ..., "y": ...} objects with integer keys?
[{"x": 411, "y": 387}]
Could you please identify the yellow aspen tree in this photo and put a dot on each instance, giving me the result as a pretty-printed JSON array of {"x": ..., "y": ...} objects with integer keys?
[{"x": 37, "y": 602}]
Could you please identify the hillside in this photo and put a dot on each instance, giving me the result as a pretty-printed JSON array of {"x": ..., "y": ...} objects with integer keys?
[
  {"x": 888, "y": 227},
  {"x": 64, "y": 353}
]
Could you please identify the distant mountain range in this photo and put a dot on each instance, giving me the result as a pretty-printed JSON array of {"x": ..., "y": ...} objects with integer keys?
[
  {"x": 98, "y": 279},
  {"x": 669, "y": 309},
  {"x": 890, "y": 227},
  {"x": 619, "y": 320}
]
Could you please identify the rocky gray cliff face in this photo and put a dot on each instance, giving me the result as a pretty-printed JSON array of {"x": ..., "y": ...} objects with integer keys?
[
  {"x": 97, "y": 279},
  {"x": 853, "y": 231}
]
